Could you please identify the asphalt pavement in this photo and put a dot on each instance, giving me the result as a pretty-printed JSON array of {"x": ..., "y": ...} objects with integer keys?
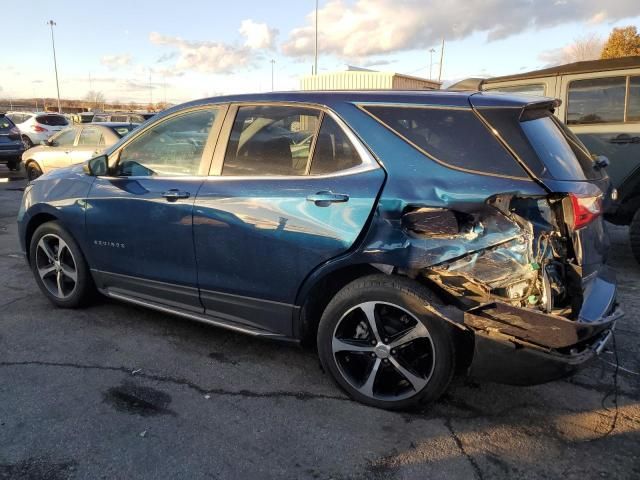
[{"x": 115, "y": 391}]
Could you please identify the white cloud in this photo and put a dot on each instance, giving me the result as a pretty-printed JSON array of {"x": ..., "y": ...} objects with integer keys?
[
  {"x": 258, "y": 35},
  {"x": 369, "y": 27},
  {"x": 204, "y": 56},
  {"x": 116, "y": 61}
]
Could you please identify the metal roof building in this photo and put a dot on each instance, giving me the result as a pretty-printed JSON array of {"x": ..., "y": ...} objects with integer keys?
[{"x": 363, "y": 79}]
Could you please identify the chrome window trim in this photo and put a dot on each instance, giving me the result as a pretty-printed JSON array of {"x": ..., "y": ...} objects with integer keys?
[
  {"x": 368, "y": 162},
  {"x": 491, "y": 130}
]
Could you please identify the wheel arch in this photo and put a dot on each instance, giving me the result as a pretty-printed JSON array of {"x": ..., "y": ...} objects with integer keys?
[
  {"x": 37, "y": 220},
  {"x": 316, "y": 297}
]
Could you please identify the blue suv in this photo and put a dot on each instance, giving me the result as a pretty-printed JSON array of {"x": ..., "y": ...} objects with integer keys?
[{"x": 408, "y": 235}]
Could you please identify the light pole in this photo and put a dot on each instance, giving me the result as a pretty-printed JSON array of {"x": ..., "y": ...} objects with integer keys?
[
  {"x": 431, "y": 52},
  {"x": 315, "y": 56},
  {"x": 273, "y": 62},
  {"x": 441, "y": 60},
  {"x": 51, "y": 23}
]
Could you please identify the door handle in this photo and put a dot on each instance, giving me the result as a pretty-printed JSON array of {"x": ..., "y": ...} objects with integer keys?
[
  {"x": 174, "y": 194},
  {"x": 326, "y": 198}
]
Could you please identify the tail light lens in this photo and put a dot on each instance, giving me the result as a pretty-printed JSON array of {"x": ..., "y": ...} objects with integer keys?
[
  {"x": 38, "y": 128},
  {"x": 585, "y": 209}
]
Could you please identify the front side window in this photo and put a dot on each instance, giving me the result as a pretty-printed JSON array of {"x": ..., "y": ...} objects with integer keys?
[
  {"x": 334, "y": 152},
  {"x": 65, "y": 138},
  {"x": 270, "y": 140},
  {"x": 170, "y": 148},
  {"x": 596, "y": 100},
  {"x": 456, "y": 138},
  {"x": 532, "y": 89},
  {"x": 89, "y": 137}
]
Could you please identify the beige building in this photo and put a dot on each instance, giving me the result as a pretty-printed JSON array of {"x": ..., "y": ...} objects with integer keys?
[{"x": 363, "y": 79}]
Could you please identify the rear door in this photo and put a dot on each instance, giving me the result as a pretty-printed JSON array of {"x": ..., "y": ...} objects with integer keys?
[{"x": 291, "y": 188}]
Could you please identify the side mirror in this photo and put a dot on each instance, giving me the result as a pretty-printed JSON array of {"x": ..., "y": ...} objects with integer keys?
[{"x": 97, "y": 167}]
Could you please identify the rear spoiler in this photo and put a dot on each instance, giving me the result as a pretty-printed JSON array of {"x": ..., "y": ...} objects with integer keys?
[{"x": 531, "y": 107}]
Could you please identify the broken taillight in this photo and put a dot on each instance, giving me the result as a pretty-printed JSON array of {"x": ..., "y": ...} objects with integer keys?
[{"x": 585, "y": 209}]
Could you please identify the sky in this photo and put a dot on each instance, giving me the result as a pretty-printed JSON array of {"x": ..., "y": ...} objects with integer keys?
[{"x": 175, "y": 51}]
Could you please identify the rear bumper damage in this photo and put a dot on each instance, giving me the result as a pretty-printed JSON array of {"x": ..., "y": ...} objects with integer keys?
[{"x": 519, "y": 346}]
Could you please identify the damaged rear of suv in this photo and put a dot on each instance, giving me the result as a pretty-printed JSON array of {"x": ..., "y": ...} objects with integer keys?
[{"x": 496, "y": 228}]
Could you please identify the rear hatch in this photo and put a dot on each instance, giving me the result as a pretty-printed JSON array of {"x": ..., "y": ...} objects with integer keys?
[
  {"x": 9, "y": 134},
  {"x": 51, "y": 122},
  {"x": 559, "y": 161}
]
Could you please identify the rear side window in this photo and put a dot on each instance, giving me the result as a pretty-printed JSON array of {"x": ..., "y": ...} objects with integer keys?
[
  {"x": 596, "y": 100},
  {"x": 90, "y": 136},
  {"x": 456, "y": 138},
  {"x": 270, "y": 140},
  {"x": 52, "y": 120},
  {"x": 333, "y": 152}
]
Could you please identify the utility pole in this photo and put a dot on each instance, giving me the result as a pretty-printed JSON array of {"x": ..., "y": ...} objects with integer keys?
[
  {"x": 431, "y": 52},
  {"x": 441, "y": 60},
  {"x": 273, "y": 62},
  {"x": 315, "y": 62},
  {"x": 51, "y": 23}
]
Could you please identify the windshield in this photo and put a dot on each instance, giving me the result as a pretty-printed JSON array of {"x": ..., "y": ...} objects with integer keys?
[{"x": 563, "y": 155}]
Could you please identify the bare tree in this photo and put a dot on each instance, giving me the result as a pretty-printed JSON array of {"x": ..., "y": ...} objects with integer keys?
[
  {"x": 95, "y": 98},
  {"x": 587, "y": 47}
]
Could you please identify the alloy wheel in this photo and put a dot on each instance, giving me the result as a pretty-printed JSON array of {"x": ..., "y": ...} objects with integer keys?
[
  {"x": 56, "y": 266},
  {"x": 383, "y": 351}
]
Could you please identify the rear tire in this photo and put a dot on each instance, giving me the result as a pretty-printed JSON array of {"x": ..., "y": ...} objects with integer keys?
[
  {"x": 59, "y": 267},
  {"x": 405, "y": 360},
  {"x": 634, "y": 235},
  {"x": 33, "y": 171},
  {"x": 27, "y": 142},
  {"x": 13, "y": 165}
]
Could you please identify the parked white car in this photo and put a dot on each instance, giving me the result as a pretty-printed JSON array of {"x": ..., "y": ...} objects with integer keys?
[{"x": 37, "y": 127}]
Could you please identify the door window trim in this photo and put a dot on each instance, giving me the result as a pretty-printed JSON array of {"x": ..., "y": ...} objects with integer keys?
[
  {"x": 368, "y": 162},
  {"x": 206, "y": 158}
]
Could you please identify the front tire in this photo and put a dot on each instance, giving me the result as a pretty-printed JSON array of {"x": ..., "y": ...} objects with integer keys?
[
  {"x": 634, "y": 235},
  {"x": 59, "y": 267},
  {"x": 383, "y": 347}
]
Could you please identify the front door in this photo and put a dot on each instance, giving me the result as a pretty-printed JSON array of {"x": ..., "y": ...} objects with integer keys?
[
  {"x": 139, "y": 219},
  {"x": 292, "y": 189}
]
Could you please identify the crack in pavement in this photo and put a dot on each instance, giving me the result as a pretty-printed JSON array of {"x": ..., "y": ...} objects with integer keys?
[
  {"x": 456, "y": 438},
  {"x": 184, "y": 382}
]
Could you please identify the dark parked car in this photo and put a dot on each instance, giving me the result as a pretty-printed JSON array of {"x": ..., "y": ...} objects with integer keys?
[
  {"x": 11, "y": 146},
  {"x": 421, "y": 233}
]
